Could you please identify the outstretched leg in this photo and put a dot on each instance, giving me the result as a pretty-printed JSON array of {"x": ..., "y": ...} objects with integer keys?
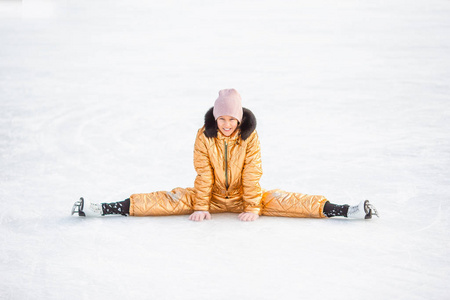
[
  {"x": 178, "y": 201},
  {"x": 279, "y": 203}
]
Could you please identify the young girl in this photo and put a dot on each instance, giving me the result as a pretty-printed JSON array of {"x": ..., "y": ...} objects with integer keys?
[{"x": 227, "y": 159}]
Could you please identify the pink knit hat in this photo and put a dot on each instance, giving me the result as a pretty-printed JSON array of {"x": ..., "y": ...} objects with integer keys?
[{"x": 228, "y": 104}]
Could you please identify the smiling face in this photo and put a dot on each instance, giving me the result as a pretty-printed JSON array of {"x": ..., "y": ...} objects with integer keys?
[{"x": 227, "y": 125}]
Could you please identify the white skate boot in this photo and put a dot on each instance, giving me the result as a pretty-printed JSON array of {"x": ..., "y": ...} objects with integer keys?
[
  {"x": 364, "y": 210},
  {"x": 85, "y": 209}
]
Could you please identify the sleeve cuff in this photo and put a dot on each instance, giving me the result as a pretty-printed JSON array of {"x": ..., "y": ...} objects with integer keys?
[
  {"x": 201, "y": 207},
  {"x": 253, "y": 210}
]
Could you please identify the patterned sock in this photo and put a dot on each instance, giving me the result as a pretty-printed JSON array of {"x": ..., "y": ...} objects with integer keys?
[
  {"x": 335, "y": 210},
  {"x": 117, "y": 208}
]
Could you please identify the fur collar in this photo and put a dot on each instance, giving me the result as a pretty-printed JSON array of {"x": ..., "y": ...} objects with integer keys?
[{"x": 247, "y": 126}]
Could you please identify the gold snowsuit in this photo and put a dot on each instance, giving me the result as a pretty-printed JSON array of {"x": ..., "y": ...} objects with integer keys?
[{"x": 228, "y": 173}]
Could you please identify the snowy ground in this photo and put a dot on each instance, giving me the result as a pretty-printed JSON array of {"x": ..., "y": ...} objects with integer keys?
[{"x": 102, "y": 99}]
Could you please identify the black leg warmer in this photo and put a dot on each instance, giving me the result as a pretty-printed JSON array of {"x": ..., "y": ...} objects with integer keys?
[
  {"x": 118, "y": 208},
  {"x": 335, "y": 210}
]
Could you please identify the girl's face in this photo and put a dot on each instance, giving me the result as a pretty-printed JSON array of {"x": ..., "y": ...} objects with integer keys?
[{"x": 227, "y": 125}]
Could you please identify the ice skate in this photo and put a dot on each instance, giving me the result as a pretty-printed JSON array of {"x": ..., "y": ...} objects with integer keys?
[
  {"x": 364, "y": 210},
  {"x": 84, "y": 209}
]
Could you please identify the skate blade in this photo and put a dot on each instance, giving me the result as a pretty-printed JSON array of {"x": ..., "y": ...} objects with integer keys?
[
  {"x": 367, "y": 210},
  {"x": 77, "y": 208},
  {"x": 370, "y": 210},
  {"x": 374, "y": 211}
]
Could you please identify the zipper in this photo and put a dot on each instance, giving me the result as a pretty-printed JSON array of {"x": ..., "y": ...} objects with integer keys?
[{"x": 226, "y": 166}]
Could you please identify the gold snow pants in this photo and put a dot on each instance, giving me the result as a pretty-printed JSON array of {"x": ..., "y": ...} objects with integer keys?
[{"x": 179, "y": 201}]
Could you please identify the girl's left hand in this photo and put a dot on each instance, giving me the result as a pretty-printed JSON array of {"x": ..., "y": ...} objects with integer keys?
[{"x": 248, "y": 216}]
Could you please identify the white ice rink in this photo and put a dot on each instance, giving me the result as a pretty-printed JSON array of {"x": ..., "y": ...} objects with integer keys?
[{"x": 103, "y": 99}]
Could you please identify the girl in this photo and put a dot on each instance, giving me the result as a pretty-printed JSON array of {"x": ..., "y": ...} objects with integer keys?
[{"x": 227, "y": 159}]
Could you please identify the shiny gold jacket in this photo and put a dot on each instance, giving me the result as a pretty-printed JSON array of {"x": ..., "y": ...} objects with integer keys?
[{"x": 228, "y": 168}]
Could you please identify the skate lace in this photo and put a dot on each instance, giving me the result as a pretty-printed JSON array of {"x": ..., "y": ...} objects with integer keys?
[
  {"x": 353, "y": 210},
  {"x": 96, "y": 208}
]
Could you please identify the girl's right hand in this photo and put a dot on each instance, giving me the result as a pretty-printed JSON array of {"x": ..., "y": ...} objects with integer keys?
[{"x": 200, "y": 216}]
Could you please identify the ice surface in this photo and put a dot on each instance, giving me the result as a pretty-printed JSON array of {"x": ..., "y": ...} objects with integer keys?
[{"x": 102, "y": 99}]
